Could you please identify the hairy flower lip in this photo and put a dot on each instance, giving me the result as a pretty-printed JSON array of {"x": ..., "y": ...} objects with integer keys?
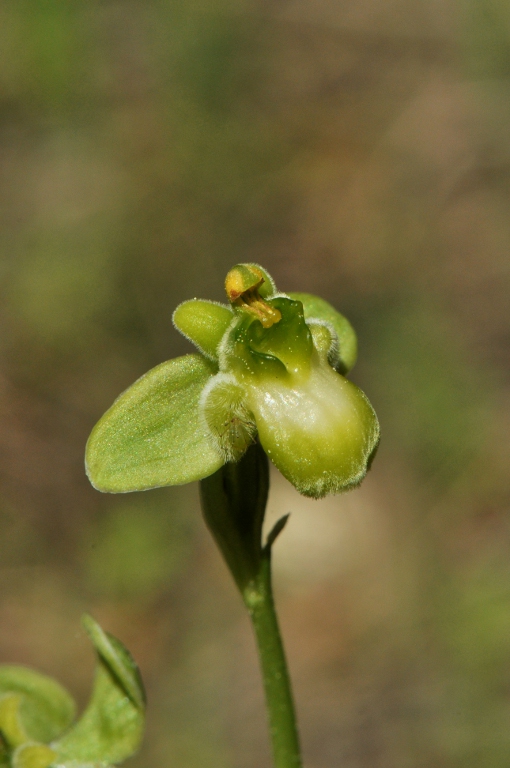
[{"x": 319, "y": 431}]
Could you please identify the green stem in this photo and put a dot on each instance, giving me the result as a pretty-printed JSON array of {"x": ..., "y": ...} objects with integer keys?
[
  {"x": 258, "y": 598},
  {"x": 233, "y": 503}
]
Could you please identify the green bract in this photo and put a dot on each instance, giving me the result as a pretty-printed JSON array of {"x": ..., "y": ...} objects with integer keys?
[
  {"x": 36, "y": 713},
  {"x": 270, "y": 365}
]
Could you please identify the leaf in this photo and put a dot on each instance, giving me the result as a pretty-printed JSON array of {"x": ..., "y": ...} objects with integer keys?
[
  {"x": 154, "y": 435},
  {"x": 316, "y": 308},
  {"x": 45, "y": 708},
  {"x": 275, "y": 531},
  {"x": 118, "y": 659},
  {"x": 111, "y": 728}
]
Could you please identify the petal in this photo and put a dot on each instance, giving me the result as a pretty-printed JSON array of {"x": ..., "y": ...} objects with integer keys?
[
  {"x": 316, "y": 308},
  {"x": 154, "y": 435},
  {"x": 204, "y": 323}
]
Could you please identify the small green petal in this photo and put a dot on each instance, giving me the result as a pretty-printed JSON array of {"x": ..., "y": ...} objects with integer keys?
[
  {"x": 204, "y": 323},
  {"x": 45, "y": 708},
  {"x": 154, "y": 435},
  {"x": 111, "y": 728},
  {"x": 325, "y": 341},
  {"x": 316, "y": 308}
]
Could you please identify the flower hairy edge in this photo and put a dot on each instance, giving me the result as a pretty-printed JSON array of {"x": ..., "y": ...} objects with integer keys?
[{"x": 226, "y": 416}]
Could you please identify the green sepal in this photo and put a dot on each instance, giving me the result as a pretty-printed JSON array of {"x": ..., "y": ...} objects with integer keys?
[
  {"x": 33, "y": 707},
  {"x": 316, "y": 308},
  {"x": 111, "y": 728},
  {"x": 153, "y": 434},
  {"x": 204, "y": 323},
  {"x": 233, "y": 504},
  {"x": 33, "y": 755}
]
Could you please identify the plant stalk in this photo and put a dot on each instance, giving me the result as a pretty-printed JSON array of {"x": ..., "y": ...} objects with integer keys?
[
  {"x": 258, "y": 598},
  {"x": 233, "y": 503}
]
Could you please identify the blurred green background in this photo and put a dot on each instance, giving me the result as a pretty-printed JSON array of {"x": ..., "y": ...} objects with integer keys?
[{"x": 360, "y": 151}]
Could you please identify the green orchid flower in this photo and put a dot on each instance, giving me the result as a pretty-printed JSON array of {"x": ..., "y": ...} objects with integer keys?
[
  {"x": 270, "y": 366},
  {"x": 36, "y": 713}
]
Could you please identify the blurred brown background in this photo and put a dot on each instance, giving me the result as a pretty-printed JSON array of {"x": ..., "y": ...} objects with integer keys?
[{"x": 360, "y": 151}]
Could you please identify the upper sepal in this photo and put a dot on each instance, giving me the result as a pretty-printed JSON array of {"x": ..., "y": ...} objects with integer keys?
[{"x": 154, "y": 435}]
